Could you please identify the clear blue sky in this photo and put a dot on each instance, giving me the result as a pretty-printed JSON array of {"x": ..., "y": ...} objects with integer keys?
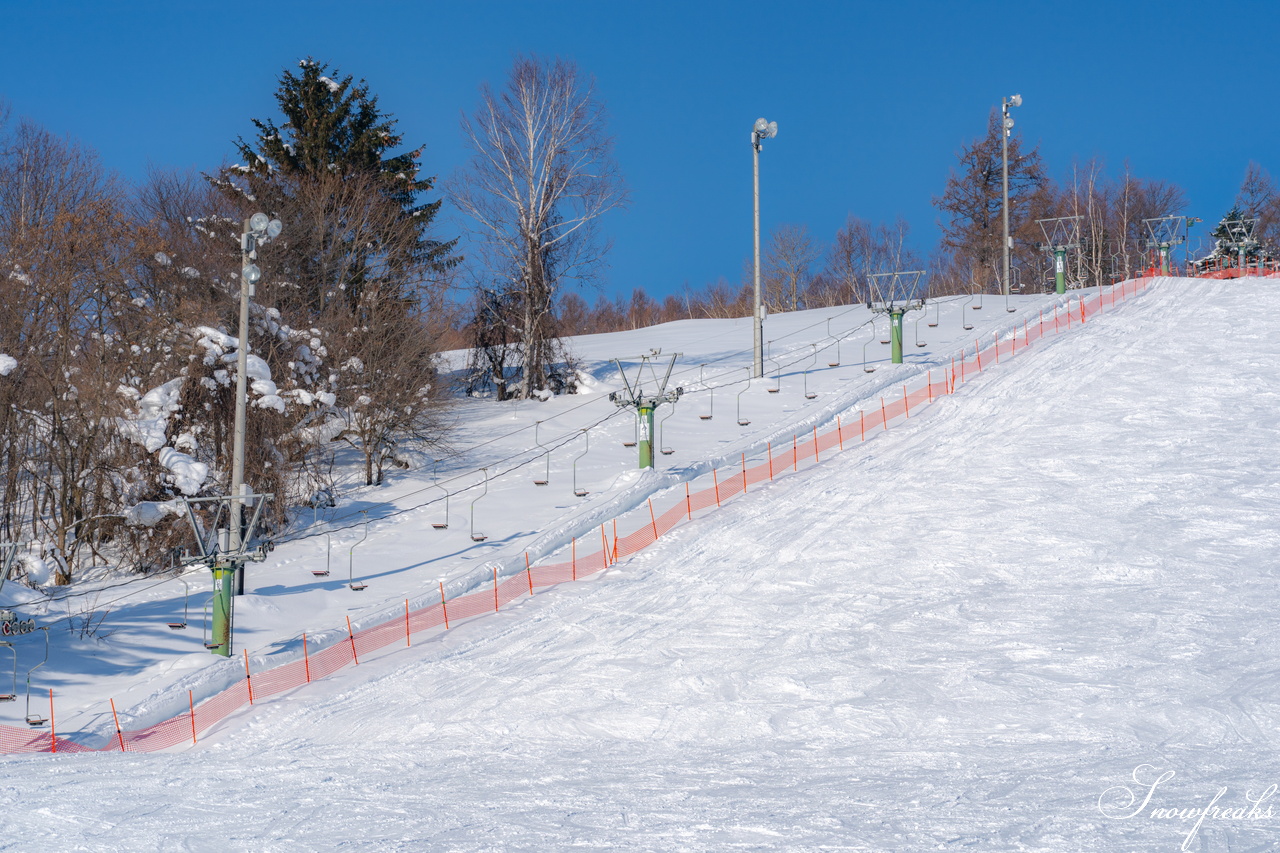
[{"x": 873, "y": 100}]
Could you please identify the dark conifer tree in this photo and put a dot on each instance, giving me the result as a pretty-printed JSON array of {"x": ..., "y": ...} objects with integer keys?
[{"x": 352, "y": 207}]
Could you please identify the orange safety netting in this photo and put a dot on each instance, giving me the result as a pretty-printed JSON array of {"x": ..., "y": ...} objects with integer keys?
[{"x": 726, "y": 483}]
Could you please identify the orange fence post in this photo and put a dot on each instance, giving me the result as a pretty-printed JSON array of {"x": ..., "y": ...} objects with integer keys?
[
  {"x": 977, "y": 351},
  {"x": 248, "y": 678},
  {"x": 191, "y": 705},
  {"x": 769, "y": 445},
  {"x": 906, "y": 405},
  {"x": 119, "y": 734},
  {"x": 306, "y": 659},
  {"x": 53, "y": 727},
  {"x": 996, "y": 337},
  {"x": 840, "y": 431},
  {"x": 573, "y": 559},
  {"x": 444, "y": 608},
  {"x": 862, "y": 423},
  {"x": 528, "y": 572},
  {"x": 795, "y": 454},
  {"x": 930, "y": 384},
  {"x": 716, "y": 482},
  {"x": 816, "y": 460},
  {"x": 351, "y": 636},
  {"x": 406, "y": 624},
  {"x": 688, "y": 504},
  {"x": 654, "y": 522},
  {"x": 495, "y": 589},
  {"x": 615, "y": 540},
  {"x": 604, "y": 543},
  {"x": 884, "y": 416}
]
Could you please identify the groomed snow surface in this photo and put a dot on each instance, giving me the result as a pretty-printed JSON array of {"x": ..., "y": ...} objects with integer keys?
[{"x": 972, "y": 632}]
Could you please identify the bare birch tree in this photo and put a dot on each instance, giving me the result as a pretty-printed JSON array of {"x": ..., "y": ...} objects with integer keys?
[{"x": 541, "y": 175}]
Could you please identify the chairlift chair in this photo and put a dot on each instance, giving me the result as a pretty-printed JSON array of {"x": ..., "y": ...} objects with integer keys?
[
  {"x": 919, "y": 342},
  {"x": 777, "y": 372},
  {"x": 328, "y": 550},
  {"x": 479, "y": 537},
  {"x": 577, "y": 492},
  {"x": 741, "y": 420},
  {"x": 186, "y": 598},
  {"x": 440, "y": 525},
  {"x": 205, "y": 637},
  {"x": 867, "y": 368},
  {"x": 546, "y": 477},
  {"x": 636, "y": 434},
  {"x": 711, "y": 400},
  {"x": 662, "y": 432},
  {"x": 937, "y": 314},
  {"x": 810, "y": 395},
  {"x": 357, "y": 586},
  {"x": 12, "y": 695},
  {"x": 36, "y": 719},
  {"x": 835, "y": 363}
]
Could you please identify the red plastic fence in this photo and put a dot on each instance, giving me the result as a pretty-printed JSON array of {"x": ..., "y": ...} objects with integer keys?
[{"x": 726, "y": 484}]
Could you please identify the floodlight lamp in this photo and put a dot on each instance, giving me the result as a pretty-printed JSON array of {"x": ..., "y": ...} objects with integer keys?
[
  {"x": 762, "y": 127},
  {"x": 251, "y": 273},
  {"x": 1008, "y": 123},
  {"x": 258, "y": 223},
  {"x": 1016, "y": 101},
  {"x": 273, "y": 229}
]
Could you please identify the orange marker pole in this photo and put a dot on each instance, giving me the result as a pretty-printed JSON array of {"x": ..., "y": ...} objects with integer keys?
[
  {"x": 53, "y": 727},
  {"x": 816, "y": 460},
  {"x": 495, "y": 589},
  {"x": 906, "y": 404},
  {"x": 306, "y": 659},
  {"x": 654, "y": 521},
  {"x": 862, "y": 424},
  {"x": 840, "y": 431},
  {"x": 119, "y": 734},
  {"x": 795, "y": 454},
  {"x": 716, "y": 481},
  {"x": 444, "y": 608},
  {"x": 406, "y": 623},
  {"x": 573, "y": 564},
  {"x": 248, "y": 679},
  {"x": 744, "y": 487},
  {"x": 528, "y": 572},
  {"x": 191, "y": 705},
  {"x": 884, "y": 416},
  {"x": 352, "y": 637}
]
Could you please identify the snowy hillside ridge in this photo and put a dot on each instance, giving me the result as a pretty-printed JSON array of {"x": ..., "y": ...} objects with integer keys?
[{"x": 499, "y": 583}]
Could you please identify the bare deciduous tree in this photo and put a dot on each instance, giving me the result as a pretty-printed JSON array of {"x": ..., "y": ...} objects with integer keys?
[
  {"x": 788, "y": 263},
  {"x": 541, "y": 175}
]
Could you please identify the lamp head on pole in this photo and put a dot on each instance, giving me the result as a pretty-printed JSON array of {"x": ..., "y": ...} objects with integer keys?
[{"x": 763, "y": 129}]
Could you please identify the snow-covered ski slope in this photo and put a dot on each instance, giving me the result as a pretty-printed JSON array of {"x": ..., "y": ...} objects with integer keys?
[{"x": 969, "y": 633}]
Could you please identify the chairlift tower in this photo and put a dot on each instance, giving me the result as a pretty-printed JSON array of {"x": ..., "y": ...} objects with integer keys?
[
  {"x": 894, "y": 294},
  {"x": 223, "y": 544},
  {"x": 1165, "y": 232},
  {"x": 1060, "y": 236},
  {"x": 645, "y": 403},
  {"x": 1240, "y": 238}
]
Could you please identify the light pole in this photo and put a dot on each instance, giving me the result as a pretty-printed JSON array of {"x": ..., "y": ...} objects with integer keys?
[
  {"x": 1006, "y": 125},
  {"x": 258, "y": 229},
  {"x": 761, "y": 131}
]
